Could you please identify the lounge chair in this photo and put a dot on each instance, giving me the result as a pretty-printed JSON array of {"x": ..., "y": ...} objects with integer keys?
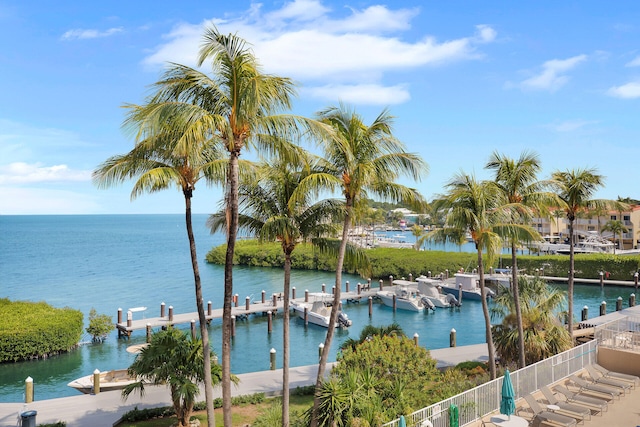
[
  {"x": 599, "y": 378},
  {"x": 602, "y": 390},
  {"x": 591, "y": 402},
  {"x": 542, "y": 415},
  {"x": 572, "y": 409},
  {"x": 618, "y": 375}
]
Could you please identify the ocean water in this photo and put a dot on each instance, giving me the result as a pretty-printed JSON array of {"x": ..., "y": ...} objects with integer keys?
[{"x": 108, "y": 262}]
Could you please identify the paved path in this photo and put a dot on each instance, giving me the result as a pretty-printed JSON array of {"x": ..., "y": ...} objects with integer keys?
[{"x": 105, "y": 409}]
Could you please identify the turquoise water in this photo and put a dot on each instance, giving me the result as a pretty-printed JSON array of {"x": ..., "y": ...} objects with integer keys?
[{"x": 122, "y": 261}]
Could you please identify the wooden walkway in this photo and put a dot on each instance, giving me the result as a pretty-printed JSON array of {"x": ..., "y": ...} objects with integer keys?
[{"x": 126, "y": 326}]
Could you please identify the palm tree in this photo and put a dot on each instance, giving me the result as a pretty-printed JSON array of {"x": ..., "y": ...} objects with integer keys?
[
  {"x": 272, "y": 209},
  {"x": 575, "y": 189},
  {"x": 417, "y": 232},
  {"x": 616, "y": 227},
  {"x": 170, "y": 152},
  {"x": 517, "y": 181},
  {"x": 477, "y": 207},
  {"x": 174, "y": 359},
  {"x": 544, "y": 332},
  {"x": 240, "y": 107},
  {"x": 361, "y": 159}
]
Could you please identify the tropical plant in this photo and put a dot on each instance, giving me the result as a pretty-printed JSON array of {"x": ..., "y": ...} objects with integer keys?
[
  {"x": 516, "y": 179},
  {"x": 361, "y": 160},
  {"x": 174, "y": 359},
  {"x": 417, "y": 231},
  {"x": 239, "y": 107},
  {"x": 171, "y": 150},
  {"x": 271, "y": 208},
  {"x": 617, "y": 228},
  {"x": 479, "y": 208},
  {"x": 371, "y": 331},
  {"x": 575, "y": 189},
  {"x": 100, "y": 325},
  {"x": 544, "y": 332}
]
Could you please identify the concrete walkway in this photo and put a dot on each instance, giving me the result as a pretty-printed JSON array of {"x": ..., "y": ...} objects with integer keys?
[{"x": 105, "y": 409}]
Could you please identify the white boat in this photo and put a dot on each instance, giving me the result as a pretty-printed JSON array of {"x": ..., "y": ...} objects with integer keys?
[
  {"x": 319, "y": 312},
  {"x": 465, "y": 287},
  {"x": 109, "y": 380},
  {"x": 405, "y": 294},
  {"x": 431, "y": 289}
]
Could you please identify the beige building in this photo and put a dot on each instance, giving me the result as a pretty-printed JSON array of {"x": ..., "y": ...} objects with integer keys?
[{"x": 558, "y": 226}]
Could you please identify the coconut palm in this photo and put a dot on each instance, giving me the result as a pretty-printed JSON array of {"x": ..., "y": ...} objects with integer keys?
[
  {"x": 477, "y": 207},
  {"x": 272, "y": 209},
  {"x": 617, "y": 228},
  {"x": 174, "y": 359},
  {"x": 575, "y": 189},
  {"x": 544, "y": 332},
  {"x": 169, "y": 153},
  {"x": 240, "y": 107},
  {"x": 361, "y": 160},
  {"x": 516, "y": 179}
]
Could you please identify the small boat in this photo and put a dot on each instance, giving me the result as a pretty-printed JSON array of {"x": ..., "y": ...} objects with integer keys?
[
  {"x": 116, "y": 379},
  {"x": 467, "y": 284},
  {"x": 406, "y": 297},
  {"x": 319, "y": 312},
  {"x": 431, "y": 290}
]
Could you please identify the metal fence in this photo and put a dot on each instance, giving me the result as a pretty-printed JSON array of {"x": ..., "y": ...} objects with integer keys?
[
  {"x": 476, "y": 403},
  {"x": 620, "y": 333}
]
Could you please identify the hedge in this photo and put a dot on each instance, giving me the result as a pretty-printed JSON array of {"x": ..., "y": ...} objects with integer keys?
[
  {"x": 32, "y": 330},
  {"x": 402, "y": 262}
]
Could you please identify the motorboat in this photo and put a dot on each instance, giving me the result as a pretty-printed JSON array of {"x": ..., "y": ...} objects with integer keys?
[
  {"x": 431, "y": 290},
  {"x": 318, "y": 312},
  {"x": 116, "y": 379},
  {"x": 465, "y": 287},
  {"x": 406, "y": 297}
]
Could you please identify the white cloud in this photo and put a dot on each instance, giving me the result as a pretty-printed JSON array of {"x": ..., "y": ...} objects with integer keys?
[
  {"x": 630, "y": 90},
  {"x": 361, "y": 94},
  {"x": 79, "y": 34},
  {"x": 325, "y": 49},
  {"x": 553, "y": 75},
  {"x": 570, "y": 125},
  {"x": 24, "y": 173},
  {"x": 635, "y": 62}
]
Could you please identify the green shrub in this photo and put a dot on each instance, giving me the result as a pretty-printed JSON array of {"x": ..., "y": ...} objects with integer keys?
[
  {"x": 33, "y": 330},
  {"x": 100, "y": 325}
]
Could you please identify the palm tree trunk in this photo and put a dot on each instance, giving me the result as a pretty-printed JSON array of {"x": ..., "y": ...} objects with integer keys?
[
  {"x": 570, "y": 282},
  {"x": 487, "y": 320},
  {"x": 204, "y": 332},
  {"x": 334, "y": 312},
  {"x": 285, "y": 339},
  {"x": 516, "y": 301},
  {"x": 232, "y": 221}
]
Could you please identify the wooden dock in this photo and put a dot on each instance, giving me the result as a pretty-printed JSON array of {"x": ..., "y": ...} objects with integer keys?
[{"x": 167, "y": 318}]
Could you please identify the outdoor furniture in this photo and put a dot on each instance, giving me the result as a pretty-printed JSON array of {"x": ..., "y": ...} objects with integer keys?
[
  {"x": 586, "y": 386},
  {"x": 540, "y": 414},
  {"x": 572, "y": 408},
  {"x": 502, "y": 420},
  {"x": 594, "y": 403},
  {"x": 618, "y": 375},
  {"x": 599, "y": 378}
]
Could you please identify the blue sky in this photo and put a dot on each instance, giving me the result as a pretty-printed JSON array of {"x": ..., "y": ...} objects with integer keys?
[{"x": 463, "y": 78}]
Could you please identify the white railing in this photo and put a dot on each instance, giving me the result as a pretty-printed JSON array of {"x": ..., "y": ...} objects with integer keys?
[
  {"x": 476, "y": 403},
  {"x": 621, "y": 333}
]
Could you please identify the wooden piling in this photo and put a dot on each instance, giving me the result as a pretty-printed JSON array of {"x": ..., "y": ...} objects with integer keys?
[
  {"x": 233, "y": 326},
  {"x": 415, "y": 338},
  {"x": 272, "y": 359},
  {"x": 381, "y": 284},
  {"x": 170, "y": 313},
  {"x": 235, "y": 300},
  {"x": 632, "y": 300},
  {"x": 324, "y": 288},
  {"x": 394, "y": 303},
  {"x": 306, "y": 295},
  {"x": 209, "y": 308},
  {"x": 96, "y": 382},
  {"x": 28, "y": 390},
  {"x": 274, "y": 299},
  {"x": 619, "y": 304},
  {"x": 148, "y": 333},
  {"x": 306, "y": 316},
  {"x": 370, "y": 299},
  {"x": 293, "y": 293},
  {"x": 247, "y": 303},
  {"x": 359, "y": 288},
  {"x": 452, "y": 338},
  {"x": 603, "y": 308},
  {"x": 269, "y": 321},
  {"x": 193, "y": 329},
  {"x": 585, "y": 313},
  {"x": 263, "y": 296},
  {"x": 346, "y": 286},
  {"x": 129, "y": 318},
  {"x": 162, "y": 309},
  {"x": 119, "y": 315}
]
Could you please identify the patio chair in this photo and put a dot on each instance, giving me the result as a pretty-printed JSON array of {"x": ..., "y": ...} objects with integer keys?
[
  {"x": 540, "y": 414},
  {"x": 599, "y": 378},
  {"x": 602, "y": 390},
  {"x": 618, "y": 375},
  {"x": 573, "y": 409},
  {"x": 591, "y": 402}
]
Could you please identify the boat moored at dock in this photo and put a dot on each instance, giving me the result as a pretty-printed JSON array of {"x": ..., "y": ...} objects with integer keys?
[{"x": 116, "y": 379}]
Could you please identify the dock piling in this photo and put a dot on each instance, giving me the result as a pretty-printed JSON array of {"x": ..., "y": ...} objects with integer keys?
[
  {"x": 272, "y": 359},
  {"x": 632, "y": 300},
  {"x": 96, "y": 381},
  {"x": 320, "y": 349},
  {"x": 170, "y": 313},
  {"x": 394, "y": 303},
  {"x": 381, "y": 284},
  {"x": 293, "y": 293},
  {"x": 324, "y": 288},
  {"x": 210, "y": 308},
  {"x": 28, "y": 390},
  {"x": 306, "y": 295},
  {"x": 235, "y": 300},
  {"x": 601, "y": 279},
  {"x": 415, "y": 338},
  {"x": 585, "y": 313},
  {"x": 129, "y": 318},
  {"x": 619, "y": 304},
  {"x": 148, "y": 332},
  {"x": 603, "y": 308},
  {"x": 233, "y": 326},
  {"x": 370, "y": 299},
  {"x": 193, "y": 329},
  {"x": 247, "y": 303},
  {"x": 119, "y": 315},
  {"x": 274, "y": 300},
  {"x": 346, "y": 286},
  {"x": 269, "y": 321},
  {"x": 162, "y": 305},
  {"x": 263, "y": 296},
  {"x": 452, "y": 338},
  {"x": 306, "y": 316}
]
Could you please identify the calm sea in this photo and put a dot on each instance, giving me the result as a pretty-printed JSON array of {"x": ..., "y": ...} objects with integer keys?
[{"x": 108, "y": 262}]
